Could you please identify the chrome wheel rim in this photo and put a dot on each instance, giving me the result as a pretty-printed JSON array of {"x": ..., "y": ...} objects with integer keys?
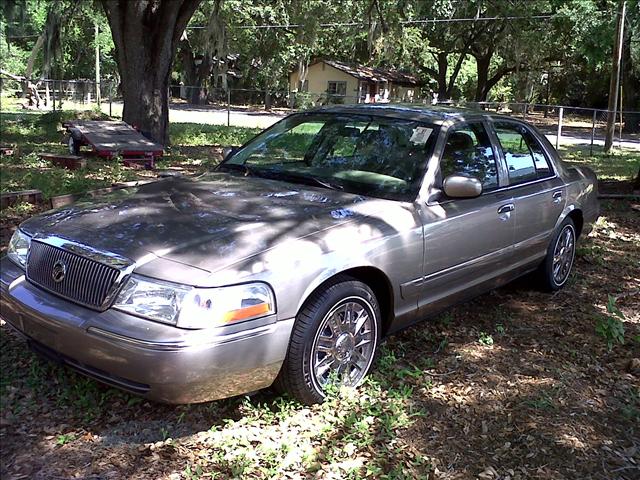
[
  {"x": 344, "y": 344},
  {"x": 563, "y": 254}
]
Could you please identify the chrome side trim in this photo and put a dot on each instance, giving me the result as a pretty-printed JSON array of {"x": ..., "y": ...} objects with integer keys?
[
  {"x": 532, "y": 182},
  {"x": 468, "y": 263},
  {"x": 419, "y": 282}
]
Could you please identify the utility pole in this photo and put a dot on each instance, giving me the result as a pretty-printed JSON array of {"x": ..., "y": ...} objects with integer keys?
[
  {"x": 97, "y": 30},
  {"x": 614, "y": 84}
]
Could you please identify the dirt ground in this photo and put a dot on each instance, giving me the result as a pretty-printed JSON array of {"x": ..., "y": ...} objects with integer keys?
[{"x": 515, "y": 384}]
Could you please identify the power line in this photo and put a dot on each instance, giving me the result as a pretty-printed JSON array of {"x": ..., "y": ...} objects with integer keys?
[{"x": 405, "y": 22}]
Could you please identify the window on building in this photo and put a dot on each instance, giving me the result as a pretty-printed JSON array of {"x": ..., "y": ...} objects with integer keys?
[{"x": 337, "y": 88}]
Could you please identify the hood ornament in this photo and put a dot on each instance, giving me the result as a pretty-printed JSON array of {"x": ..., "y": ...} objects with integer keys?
[{"x": 59, "y": 271}]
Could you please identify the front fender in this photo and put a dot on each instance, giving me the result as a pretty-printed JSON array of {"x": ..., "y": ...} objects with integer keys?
[{"x": 325, "y": 275}]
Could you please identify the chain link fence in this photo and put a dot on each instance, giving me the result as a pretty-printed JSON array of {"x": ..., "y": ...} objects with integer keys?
[
  {"x": 261, "y": 108},
  {"x": 43, "y": 95}
]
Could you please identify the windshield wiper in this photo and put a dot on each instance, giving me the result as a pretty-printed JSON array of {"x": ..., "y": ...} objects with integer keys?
[
  {"x": 308, "y": 180},
  {"x": 276, "y": 174},
  {"x": 236, "y": 167}
]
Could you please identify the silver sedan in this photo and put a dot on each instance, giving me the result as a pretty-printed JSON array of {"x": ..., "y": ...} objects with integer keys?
[{"x": 290, "y": 262}]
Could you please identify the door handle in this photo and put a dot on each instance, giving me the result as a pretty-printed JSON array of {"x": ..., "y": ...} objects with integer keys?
[
  {"x": 557, "y": 196},
  {"x": 509, "y": 207}
]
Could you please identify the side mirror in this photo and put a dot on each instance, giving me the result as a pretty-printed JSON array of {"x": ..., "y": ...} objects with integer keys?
[
  {"x": 228, "y": 151},
  {"x": 459, "y": 186}
]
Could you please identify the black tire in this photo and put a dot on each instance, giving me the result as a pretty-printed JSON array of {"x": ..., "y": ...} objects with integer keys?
[
  {"x": 298, "y": 377},
  {"x": 74, "y": 145},
  {"x": 551, "y": 279}
]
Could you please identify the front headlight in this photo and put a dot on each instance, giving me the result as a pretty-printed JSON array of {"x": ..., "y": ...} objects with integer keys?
[
  {"x": 191, "y": 307},
  {"x": 19, "y": 248}
]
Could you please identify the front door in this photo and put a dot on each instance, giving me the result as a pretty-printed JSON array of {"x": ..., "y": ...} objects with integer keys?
[{"x": 468, "y": 242}]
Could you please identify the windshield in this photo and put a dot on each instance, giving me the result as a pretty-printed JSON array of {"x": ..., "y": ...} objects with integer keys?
[{"x": 363, "y": 154}]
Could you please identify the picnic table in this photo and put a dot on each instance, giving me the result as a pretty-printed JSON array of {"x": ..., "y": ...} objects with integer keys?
[{"x": 110, "y": 138}]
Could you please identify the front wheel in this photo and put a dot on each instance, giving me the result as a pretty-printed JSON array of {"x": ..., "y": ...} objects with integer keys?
[
  {"x": 74, "y": 145},
  {"x": 333, "y": 343},
  {"x": 554, "y": 271}
]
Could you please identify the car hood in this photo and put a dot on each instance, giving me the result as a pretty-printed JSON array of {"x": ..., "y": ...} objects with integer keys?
[{"x": 207, "y": 223}]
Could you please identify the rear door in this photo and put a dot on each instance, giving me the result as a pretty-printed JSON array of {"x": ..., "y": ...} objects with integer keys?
[
  {"x": 538, "y": 193},
  {"x": 468, "y": 242}
]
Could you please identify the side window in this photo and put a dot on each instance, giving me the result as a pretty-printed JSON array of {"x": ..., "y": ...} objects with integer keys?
[
  {"x": 468, "y": 152},
  {"x": 543, "y": 167},
  {"x": 526, "y": 160}
]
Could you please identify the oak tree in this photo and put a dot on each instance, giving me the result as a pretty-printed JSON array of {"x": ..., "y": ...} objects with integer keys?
[{"x": 146, "y": 34}]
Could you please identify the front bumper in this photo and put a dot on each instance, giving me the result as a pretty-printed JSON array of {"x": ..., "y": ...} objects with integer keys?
[{"x": 157, "y": 361}]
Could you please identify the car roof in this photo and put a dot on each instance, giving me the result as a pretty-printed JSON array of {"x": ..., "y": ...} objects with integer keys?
[{"x": 412, "y": 111}]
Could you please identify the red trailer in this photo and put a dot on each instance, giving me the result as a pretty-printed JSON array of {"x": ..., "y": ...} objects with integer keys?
[{"x": 110, "y": 138}]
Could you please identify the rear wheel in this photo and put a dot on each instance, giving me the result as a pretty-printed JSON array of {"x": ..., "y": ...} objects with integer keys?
[
  {"x": 333, "y": 342},
  {"x": 556, "y": 268}
]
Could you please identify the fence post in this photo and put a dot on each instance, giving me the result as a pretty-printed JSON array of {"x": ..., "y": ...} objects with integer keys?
[
  {"x": 561, "y": 114},
  {"x": 621, "y": 122},
  {"x": 228, "y": 107},
  {"x": 53, "y": 95},
  {"x": 110, "y": 88},
  {"x": 593, "y": 132},
  {"x": 524, "y": 111}
]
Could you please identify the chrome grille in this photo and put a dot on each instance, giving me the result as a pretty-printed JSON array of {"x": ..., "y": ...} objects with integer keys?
[{"x": 86, "y": 281}]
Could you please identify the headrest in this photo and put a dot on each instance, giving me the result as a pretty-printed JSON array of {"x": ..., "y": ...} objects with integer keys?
[
  {"x": 459, "y": 141},
  {"x": 348, "y": 131}
]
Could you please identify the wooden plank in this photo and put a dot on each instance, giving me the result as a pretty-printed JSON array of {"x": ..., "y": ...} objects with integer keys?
[
  {"x": 9, "y": 199},
  {"x": 70, "y": 162},
  {"x": 63, "y": 200},
  {"x": 50, "y": 156}
]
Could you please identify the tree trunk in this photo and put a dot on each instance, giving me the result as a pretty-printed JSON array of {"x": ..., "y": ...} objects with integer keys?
[
  {"x": 267, "y": 99},
  {"x": 146, "y": 34},
  {"x": 630, "y": 87},
  {"x": 443, "y": 66},
  {"x": 482, "y": 70},
  {"x": 34, "y": 54},
  {"x": 187, "y": 60},
  {"x": 454, "y": 75}
]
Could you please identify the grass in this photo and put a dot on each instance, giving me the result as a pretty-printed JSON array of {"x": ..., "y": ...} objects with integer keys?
[
  {"x": 196, "y": 134},
  {"x": 28, "y": 171},
  {"x": 268, "y": 436},
  {"x": 32, "y": 133},
  {"x": 619, "y": 165}
]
